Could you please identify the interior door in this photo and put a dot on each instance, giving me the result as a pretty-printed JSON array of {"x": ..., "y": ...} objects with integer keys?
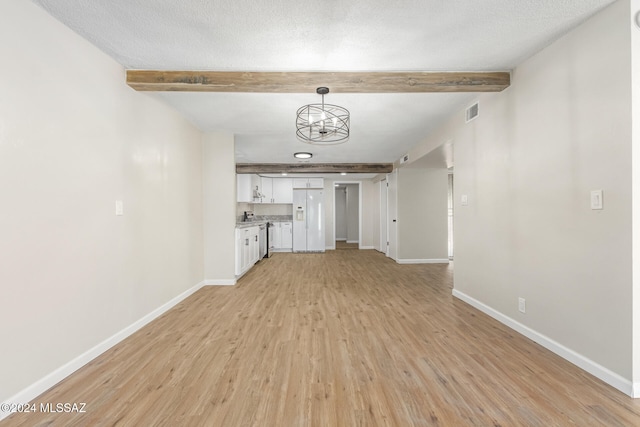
[
  {"x": 392, "y": 215},
  {"x": 384, "y": 237}
]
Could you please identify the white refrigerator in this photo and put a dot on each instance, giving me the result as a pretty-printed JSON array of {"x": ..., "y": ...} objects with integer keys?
[{"x": 308, "y": 221}]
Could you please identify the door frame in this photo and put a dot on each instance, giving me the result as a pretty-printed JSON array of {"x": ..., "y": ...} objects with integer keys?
[
  {"x": 392, "y": 216},
  {"x": 384, "y": 213},
  {"x": 333, "y": 192}
]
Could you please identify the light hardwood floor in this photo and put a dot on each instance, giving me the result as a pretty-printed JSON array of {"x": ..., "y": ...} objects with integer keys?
[
  {"x": 344, "y": 245},
  {"x": 346, "y": 338}
]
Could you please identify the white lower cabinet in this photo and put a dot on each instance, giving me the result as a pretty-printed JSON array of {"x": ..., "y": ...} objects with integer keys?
[
  {"x": 287, "y": 235},
  {"x": 282, "y": 238},
  {"x": 275, "y": 236},
  {"x": 247, "y": 248}
]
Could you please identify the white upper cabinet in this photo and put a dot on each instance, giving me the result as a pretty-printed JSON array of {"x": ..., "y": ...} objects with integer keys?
[
  {"x": 244, "y": 188},
  {"x": 308, "y": 183},
  {"x": 316, "y": 183},
  {"x": 247, "y": 188},
  {"x": 260, "y": 189},
  {"x": 282, "y": 190},
  {"x": 276, "y": 190},
  {"x": 266, "y": 188},
  {"x": 300, "y": 182}
]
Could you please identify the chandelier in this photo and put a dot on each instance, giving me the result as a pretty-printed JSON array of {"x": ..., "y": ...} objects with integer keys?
[{"x": 322, "y": 124}]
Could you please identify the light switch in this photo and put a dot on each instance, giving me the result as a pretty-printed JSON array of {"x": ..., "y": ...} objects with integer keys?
[
  {"x": 119, "y": 208},
  {"x": 596, "y": 199},
  {"x": 464, "y": 200}
]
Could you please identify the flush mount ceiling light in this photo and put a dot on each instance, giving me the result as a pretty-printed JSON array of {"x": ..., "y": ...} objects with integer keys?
[
  {"x": 322, "y": 124},
  {"x": 302, "y": 155}
]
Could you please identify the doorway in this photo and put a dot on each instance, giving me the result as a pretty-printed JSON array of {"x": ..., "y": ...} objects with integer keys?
[
  {"x": 392, "y": 212},
  {"x": 384, "y": 236},
  {"x": 347, "y": 219}
]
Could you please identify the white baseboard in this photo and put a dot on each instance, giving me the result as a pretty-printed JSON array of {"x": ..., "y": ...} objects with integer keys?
[
  {"x": 341, "y": 239},
  {"x": 53, "y": 378},
  {"x": 220, "y": 282},
  {"x": 577, "y": 359},
  {"x": 423, "y": 261},
  {"x": 366, "y": 247},
  {"x": 330, "y": 248},
  {"x": 353, "y": 241}
]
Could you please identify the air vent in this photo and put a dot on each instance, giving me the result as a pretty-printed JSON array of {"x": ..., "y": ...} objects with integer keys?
[
  {"x": 472, "y": 112},
  {"x": 404, "y": 159}
]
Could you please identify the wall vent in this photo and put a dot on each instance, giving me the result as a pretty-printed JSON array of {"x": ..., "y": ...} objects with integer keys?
[
  {"x": 472, "y": 112},
  {"x": 404, "y": 159}
]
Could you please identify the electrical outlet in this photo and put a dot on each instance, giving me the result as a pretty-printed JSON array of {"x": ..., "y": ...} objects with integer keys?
[
  {"x": 522, "y": 305},
  {"x": 464, "y": 200}
]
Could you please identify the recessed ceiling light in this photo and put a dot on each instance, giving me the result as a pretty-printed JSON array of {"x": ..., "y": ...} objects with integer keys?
[
  {"x": 284, "y": 174},
  {"x": 343, "y": 173},
  {"x": 302, "y": 155}
]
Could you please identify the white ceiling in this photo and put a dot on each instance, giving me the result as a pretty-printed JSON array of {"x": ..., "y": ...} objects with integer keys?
[{"x": 329, "y": 35}]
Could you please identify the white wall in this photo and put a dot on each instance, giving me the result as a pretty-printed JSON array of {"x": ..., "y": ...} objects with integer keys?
[
  {"x": 219, "y": 208},
  {"x": 528, "y": 164},
  {"x": 422, "y": 215},
  {"x": 635, "y": 144},
  {"x": 73, "y": 139},
  {"x": 370, "y": 204}
]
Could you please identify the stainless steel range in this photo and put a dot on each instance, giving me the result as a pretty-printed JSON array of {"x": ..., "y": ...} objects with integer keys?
[
  {"x": 264, "y": 241},
  {"x": 270, "y": 231}
]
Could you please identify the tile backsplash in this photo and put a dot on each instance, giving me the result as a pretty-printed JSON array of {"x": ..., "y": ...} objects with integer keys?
[{"x": 269, "y": 212}]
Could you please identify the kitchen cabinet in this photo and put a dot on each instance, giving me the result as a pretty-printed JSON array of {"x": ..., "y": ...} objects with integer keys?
[
  {"x": 255, "y": 248},
  {"x": 281, "y": 237},
  {"x": 308, "y": 183},
  {"x": 246, "y": 187},
  {"x": 316, "y": 183},
  {"x": 247, "y": 248},
  {"x": 282, "y": 190},
  {"x": 275, "y": 236},
  {"x": 244, "y": 192},
  {"x": 276, "y": 190},
  {"x": 287, "y": 235},
  {"x": 266, "y": 188}
]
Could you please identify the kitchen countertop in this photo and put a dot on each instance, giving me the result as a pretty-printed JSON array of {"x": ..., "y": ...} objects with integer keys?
[
  {"x": 255, "y": 223},
  {"x": 250, "y": 224}
]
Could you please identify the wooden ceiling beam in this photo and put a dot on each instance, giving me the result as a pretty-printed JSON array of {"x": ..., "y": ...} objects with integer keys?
[
  {"x": 258, "y": 168},
  {"x": 307, "y": 82}
]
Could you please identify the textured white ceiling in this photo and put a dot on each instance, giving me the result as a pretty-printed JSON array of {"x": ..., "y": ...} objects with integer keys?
[{"x": 328, "y": 35}]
